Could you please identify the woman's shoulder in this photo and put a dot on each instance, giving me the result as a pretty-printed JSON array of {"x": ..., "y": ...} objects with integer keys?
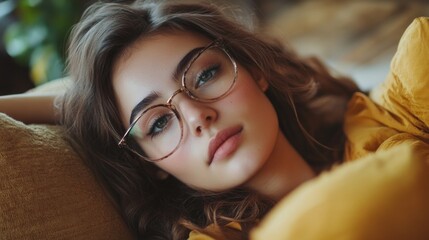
[
  {"x": 405, "y": 90},
  {"x": 398, "y": 109}
]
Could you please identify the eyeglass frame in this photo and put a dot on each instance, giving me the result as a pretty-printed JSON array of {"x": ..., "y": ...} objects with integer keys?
[{"x": 217, "y": 43}]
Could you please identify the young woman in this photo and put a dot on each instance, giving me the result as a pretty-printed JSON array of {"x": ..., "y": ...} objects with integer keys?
[{"x": 190, "y": 120}]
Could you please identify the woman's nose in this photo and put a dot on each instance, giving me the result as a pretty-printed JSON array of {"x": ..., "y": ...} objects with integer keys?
[{"x": 196, "y": 115}]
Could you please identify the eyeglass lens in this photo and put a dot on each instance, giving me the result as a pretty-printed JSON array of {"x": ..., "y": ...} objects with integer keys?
[{"x": 210, "y": 76}]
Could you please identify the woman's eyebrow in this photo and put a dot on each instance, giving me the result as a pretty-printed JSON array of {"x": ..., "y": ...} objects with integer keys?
[
  {"x": 184, "y": 62},
  {"x": 149, "y": 99}
]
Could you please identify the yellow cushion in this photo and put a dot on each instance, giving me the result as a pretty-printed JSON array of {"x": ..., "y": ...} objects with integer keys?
[
  {"x": 46, "y": 191},
  {"x": 383, "y": 196}
]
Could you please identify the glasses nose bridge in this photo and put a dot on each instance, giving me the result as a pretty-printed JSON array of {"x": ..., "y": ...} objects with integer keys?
[
  {"x": 174, "y": 94},
  {"x": 177, "y": 92}
]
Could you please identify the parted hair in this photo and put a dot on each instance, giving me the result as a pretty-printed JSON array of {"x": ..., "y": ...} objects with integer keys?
[{"x": 309, "y": 101}]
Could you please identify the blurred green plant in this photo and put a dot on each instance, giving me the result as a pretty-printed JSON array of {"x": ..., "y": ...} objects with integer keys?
[{"x": 38, "y": 37}]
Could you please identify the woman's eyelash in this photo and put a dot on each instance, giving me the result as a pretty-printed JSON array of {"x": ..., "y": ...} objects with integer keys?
[
  {"x": 205, "y": 71},
  {"x": 152, "y": 131}
]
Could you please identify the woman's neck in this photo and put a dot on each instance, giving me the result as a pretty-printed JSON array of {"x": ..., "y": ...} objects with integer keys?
[{"x": 284, "y": 170}]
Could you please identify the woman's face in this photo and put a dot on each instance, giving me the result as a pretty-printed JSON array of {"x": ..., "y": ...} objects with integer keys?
[{"x": 224, "y": 142}]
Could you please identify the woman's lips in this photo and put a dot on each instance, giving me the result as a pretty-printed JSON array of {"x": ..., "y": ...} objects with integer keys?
[{"x": 224, "y": 143}]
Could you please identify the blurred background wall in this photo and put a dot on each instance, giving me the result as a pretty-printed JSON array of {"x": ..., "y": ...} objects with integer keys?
[
  {"x": 355, "y": 37},
  {"x": 32, "y": 41}
]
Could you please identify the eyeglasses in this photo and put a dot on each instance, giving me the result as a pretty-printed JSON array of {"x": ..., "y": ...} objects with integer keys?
[{"x": 158, "y": 129}]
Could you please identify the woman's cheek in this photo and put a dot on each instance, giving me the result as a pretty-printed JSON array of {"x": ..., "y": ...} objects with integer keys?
[{"x": 184, "y": 162}]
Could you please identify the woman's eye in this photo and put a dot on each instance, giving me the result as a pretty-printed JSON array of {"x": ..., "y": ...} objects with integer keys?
[
  {"x": 159, "y": 125},
  {"x": 206, "y": 76}
]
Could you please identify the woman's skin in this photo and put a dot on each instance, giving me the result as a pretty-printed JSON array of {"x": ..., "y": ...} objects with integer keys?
[
  {"x": 258, "y": 157},
  {"x": 30, "y": 107}
]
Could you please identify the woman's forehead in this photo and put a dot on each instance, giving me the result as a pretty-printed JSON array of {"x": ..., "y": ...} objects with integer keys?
[
  {"x": 165, "y": 42},
  {"x": 157, "y": 53},
  {"x": 149, "y": 64}
]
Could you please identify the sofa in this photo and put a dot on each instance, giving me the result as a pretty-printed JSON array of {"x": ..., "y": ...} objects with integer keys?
[{"x": 46, "y": 190}]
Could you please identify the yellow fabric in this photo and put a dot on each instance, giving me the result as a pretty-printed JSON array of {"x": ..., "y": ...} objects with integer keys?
[
  {"x": 401, "y": 110},
  {"x": 382, "y": 196},
  {"x": 194, "y": 235},
  {"x": 385, "y": 194}
]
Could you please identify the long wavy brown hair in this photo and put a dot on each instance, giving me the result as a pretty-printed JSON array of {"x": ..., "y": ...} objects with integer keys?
[{"x": 309, "y": 101}]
